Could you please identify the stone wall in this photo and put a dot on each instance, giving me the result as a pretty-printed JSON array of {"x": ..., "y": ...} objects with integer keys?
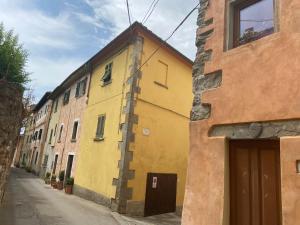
[{"x": 11, "y": 109}]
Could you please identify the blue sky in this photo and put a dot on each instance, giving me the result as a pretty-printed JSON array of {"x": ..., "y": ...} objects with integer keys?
[{"x": 60, "y": 35}]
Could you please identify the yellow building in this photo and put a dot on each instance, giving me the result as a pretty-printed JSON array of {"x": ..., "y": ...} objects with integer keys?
[{"x": 135, "y": 136}]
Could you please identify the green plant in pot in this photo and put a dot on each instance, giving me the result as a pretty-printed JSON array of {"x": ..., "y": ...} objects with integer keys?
[
  {"x": 53, "y": 181},
  {"x": 28, "y": 169},
  {"x": 61, "y": 177},
  {"x": 69, "y": 185},
  {"x": 47, "y": 178}
]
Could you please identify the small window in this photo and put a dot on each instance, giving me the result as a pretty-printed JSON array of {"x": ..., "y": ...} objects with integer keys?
[
  {"x": 56, "y": 105},
  {"x": 40, "y": 134},
  {"x": 253, "y": 19},
  {"x": 60, "y": 132},
  {"x": 80, "y": 88},
  {"x": 75, "y": 128},
  {"x": 106, "y": 78},
  {"x": 66, "y": 97},
  {"x": 50, "y": 138},
  {"x": 55, "y": 129},
  {"x": 100, "y": 127},
  {"x": 161, "y": 74}
]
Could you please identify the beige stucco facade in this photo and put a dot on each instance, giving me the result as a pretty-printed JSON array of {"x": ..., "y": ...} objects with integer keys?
[
  {"x": 258, "y": 87},
  {"x": 67, "y": 114}
]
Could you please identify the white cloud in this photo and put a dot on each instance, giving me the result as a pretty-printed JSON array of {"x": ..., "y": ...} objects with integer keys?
[
  {"x": 166, "y": 16},
  {"x": 56, "y": 42}
]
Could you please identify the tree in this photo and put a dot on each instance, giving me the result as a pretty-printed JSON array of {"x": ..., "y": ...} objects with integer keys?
[{"x": 13, "y": 58}]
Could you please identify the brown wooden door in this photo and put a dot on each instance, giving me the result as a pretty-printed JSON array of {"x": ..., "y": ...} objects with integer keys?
[
  {"x": 160, "y": 193},
  {"x": 255, "y": 182}
]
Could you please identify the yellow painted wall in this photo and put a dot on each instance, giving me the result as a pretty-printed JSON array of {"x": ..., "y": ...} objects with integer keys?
[
  {"x": 97, "y": 163},
  {"x": 163, "y": 107}
]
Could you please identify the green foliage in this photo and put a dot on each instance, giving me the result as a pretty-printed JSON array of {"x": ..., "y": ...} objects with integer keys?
[
  {"x": 28, "y": 169},
  {"x": 48, "y": 175},
  {"x": 61, "y": 175},
  {"x": 53, "y": 178},
  {"x": 13, "y": 58},
  {"x": 70, "y": 181}
]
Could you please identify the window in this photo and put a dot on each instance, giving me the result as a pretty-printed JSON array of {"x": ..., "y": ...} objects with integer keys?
[
  {"x": 50, "y": 138},
  {"x": 100, "y": 127},
  {"x": 75, "y": 128},
  {"x": 80, "y": 88},
  {"x": 161, "y": 74},
  {"x": 66, "y": 97},
  {"x": 56, "y": 105},
  {"x": 106, "y": 78},
  {"x": 40, "y": 134},
  {"x": 253, "y": 19},
  {"x": 55, "y": 130},
  {"x": 60, "y": 132},
  {"x": 35, "y": 135}
]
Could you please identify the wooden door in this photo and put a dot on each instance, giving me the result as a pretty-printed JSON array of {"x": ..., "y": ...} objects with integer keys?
[
  {"x": 255, "y": 182},
  {"x": 160, "y": 193}
]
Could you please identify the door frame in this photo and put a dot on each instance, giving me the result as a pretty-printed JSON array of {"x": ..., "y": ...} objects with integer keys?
[
  {"x": 148, "y": 189},
  {"x": 254, "y": 142}
]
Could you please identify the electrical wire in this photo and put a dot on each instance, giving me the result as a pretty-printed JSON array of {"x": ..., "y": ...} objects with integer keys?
[
  {"x": 168, "y": 38},
  {"x": 150, "y": 7},
  {"x": 154, "y": 5},
  {"x": 128, "y": 13}
]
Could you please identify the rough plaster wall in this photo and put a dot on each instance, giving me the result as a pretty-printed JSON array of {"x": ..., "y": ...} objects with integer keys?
[{"x": 10, "y": 121}]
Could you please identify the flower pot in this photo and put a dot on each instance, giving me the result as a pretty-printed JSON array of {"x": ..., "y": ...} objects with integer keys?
[
  {"x": 68, "y": 189},
  {"x": 60, "y": 185},
  {"x": 54, "y": 184},
  {"x": 47, "y": 181}
]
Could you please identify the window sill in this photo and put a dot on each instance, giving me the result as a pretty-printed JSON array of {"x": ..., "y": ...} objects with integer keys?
[
  {"x": 161, "y": 85},
  {"x": 98, "y": 139},
  {"x": 106, "y": 83},
  {"x": 73, "y": 140},
  {"x": 79, "y": 96}
]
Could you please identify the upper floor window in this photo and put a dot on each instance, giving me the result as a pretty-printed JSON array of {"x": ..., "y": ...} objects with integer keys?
[
  {"x": 55, "y": 130},
  {"x": 50, "y": 137},
  {"x": 80, "y": 88},
  {"x": 106, "y": 78},
  {"x": 161, "y": 74},
  {"x": 66, "y": 97},
  {"x": 60, "y": 132},
  {"x": 55, "y": 105},
  {"x": 75, "y": 128},
  {"x": 40, "y": 134},
  {"x": 253, "y": 19},
  {"x": 100, "y": 128}
]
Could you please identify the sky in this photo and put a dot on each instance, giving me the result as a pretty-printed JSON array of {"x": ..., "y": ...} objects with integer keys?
[{"x": 60, "y": 35}]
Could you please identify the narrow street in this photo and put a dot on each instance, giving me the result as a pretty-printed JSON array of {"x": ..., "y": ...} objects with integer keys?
[{"x": 29, "y": 201}]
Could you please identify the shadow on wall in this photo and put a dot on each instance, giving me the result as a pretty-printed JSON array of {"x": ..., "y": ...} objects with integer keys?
[{"x": 11, "y": 110}]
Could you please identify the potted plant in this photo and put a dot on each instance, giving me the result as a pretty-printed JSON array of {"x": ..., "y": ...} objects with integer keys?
[
  {"x": 69, "y": 185},
  {"x": 47, "y": 178},
  {"x": 53, "y": 181},
  {"x": 28, "y": 169},
  {"x": 61, "y": 177}
]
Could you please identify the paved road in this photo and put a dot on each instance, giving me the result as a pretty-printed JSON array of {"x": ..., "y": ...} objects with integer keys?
[{"x": 30, "y": 202}]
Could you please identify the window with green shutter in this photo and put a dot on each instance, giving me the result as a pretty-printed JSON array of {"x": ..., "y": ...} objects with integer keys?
[
  {"x": 66, "y": 97},
  {"x": 81, "y": 88},
  {"x": 100, "y": 128},
  {"x": 106, "y": 78}
]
